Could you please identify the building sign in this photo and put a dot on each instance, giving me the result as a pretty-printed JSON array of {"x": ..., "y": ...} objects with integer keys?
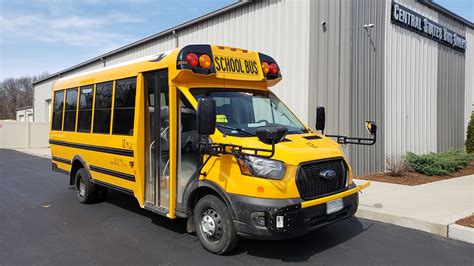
[{"x": 413, "y": 21}]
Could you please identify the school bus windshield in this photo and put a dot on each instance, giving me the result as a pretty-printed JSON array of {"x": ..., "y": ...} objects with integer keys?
[{"x": 240, "y": 112}]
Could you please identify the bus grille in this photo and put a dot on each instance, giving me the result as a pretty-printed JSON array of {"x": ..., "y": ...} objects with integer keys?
[{"x": 312, "y": 183}]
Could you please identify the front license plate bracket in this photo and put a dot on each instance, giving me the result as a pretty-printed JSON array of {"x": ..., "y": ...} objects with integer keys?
[{"x": 334, "y": 206}]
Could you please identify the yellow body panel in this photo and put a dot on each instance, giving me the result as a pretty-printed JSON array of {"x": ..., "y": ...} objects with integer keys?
[{"x": 224, "y": 170}]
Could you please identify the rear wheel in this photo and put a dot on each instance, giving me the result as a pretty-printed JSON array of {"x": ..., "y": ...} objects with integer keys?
[
  {"x": 214, "y": 225},
  {"x": 86, "y": 191}
]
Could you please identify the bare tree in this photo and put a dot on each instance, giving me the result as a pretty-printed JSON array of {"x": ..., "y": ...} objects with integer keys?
[{"x": 16, "y": 93}]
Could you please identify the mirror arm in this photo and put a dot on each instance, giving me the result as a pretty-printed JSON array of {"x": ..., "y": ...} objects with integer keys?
[
  {"x": 353, "y": 140},
  {"x": 210, "y": 150},
  {"x": 204, "y": 164}
]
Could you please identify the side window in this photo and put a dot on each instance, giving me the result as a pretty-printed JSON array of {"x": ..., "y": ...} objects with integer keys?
[
  {"x": 70, "y": 110},
  {"x": 102, "y": 108},
  {"x": 84, "y": 118},
  {"x": 124, "y": 106},
  {"x": 58, "y": 110}
]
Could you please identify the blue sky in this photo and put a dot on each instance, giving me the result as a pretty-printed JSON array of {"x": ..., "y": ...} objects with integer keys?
[
  {"x": 50, "y": 35},
  {"x": 463, "y": 8}
]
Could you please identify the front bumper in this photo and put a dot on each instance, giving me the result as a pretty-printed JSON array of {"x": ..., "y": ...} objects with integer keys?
[{"x": 299, "y": 217}]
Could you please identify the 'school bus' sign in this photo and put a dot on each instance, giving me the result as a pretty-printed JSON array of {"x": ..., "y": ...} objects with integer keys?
[{"x": 413, "y": 21}]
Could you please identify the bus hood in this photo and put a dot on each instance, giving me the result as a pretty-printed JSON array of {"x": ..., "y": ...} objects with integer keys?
[{"x": 295, "y": 148}]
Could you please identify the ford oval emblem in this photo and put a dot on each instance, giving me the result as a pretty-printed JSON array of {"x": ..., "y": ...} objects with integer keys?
[{"x": 328, "y": 174}]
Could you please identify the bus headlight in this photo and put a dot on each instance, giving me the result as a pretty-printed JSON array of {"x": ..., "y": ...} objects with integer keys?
[{"x": 261, "y": 167}]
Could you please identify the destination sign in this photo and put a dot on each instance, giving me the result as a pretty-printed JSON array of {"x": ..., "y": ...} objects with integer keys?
[{"x": 236, "y": 65}]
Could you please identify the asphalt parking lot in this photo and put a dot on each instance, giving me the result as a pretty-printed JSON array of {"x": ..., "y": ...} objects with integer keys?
[{"x": 41, "y": 222}]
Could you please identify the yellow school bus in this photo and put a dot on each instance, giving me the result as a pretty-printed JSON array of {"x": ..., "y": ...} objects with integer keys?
[{"x": 221, "y": 150}]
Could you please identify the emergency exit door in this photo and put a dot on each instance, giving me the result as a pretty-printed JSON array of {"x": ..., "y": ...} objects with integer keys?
[{"x": 157, "y": 185}]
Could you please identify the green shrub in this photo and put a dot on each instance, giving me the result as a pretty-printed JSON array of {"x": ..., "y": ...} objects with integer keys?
[
  {"x": 441, "y": 163},
  {"x": 470, "y": 136}
]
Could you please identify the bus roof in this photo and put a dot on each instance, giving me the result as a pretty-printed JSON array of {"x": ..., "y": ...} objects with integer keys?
[
  {"x": 188, "y": 64},
  {"x": 129, "y": 62}
]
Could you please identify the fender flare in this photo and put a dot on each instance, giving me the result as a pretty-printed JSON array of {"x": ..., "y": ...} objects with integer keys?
[
  {"x": 193, "y": 188},
  {"x": 78, "y": 158}
]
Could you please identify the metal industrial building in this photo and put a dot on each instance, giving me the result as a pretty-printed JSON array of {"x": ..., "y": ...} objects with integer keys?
[{"x": 361, "y": 59}]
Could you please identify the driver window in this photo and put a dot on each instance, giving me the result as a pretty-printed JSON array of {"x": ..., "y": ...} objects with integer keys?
[
  {"x": 267, "y": 110},
  {"x": 280, "y": 117}
]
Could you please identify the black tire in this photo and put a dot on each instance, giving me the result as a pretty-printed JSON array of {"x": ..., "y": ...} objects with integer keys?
[
  {"x": 101, "y": 193},
  {"x": 88, "y": 193},
  {"x": 224, "y": 238}
]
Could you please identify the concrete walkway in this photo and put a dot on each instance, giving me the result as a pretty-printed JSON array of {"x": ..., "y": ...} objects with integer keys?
[
  {"x": 41, "y": 152},
  {"x": 431, "y": 207}
]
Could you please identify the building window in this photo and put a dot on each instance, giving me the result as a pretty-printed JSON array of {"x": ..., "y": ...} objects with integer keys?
[
  {"x": 124, "y": 106},
  {"x": 58, "y": 110},
  {"x": 84, "y": 118},
  {"x": 102, "y": 108},
  {"x": 70, "y": 110}
]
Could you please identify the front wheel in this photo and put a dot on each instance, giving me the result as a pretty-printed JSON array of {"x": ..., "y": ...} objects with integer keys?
[{"x": 214, "y": 225}]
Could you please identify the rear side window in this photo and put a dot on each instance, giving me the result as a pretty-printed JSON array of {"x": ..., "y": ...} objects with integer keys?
[
  {"x": 84, "y": 119},
  {"x": 70, "y": 110},
  {"x": 124, "y": 106},
  {"x": 58, "y": 110},
  {"x": 102, "y": 108}
]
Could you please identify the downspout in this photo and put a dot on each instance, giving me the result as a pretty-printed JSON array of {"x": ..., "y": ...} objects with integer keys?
[{"x": 176, "y": 40}]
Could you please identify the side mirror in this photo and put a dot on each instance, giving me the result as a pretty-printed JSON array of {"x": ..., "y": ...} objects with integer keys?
[
  {"x": 371, "y": 127},
  {"x": 271, "y": 134},
  {"x": 206, "y": 116},
  {"x": 320, "y": 118}
]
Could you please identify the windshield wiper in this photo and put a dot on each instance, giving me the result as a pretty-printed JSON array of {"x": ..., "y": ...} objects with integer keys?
[{"x": 236, "y": 129}]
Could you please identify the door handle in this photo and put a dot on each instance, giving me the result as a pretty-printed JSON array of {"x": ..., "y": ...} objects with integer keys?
[{"x": 151, "y": 165}]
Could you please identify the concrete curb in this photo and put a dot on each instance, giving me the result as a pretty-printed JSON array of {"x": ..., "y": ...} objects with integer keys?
[
  {"x": 453, "y": 231},
  {"x": 459, "y": 232},
  {"x": 426, "y": 226}
]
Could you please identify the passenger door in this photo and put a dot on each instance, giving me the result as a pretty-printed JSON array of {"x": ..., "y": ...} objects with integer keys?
[{"x": 157, "y": 184}]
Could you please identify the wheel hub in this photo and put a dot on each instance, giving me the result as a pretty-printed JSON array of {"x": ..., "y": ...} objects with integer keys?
[
  {"x": 82, "y": 188},
  {"x": 211, "y": 224},
  {"x": 208, "y": 225}
]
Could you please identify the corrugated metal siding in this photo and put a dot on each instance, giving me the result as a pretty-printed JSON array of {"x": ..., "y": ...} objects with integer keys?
[
  {"x": 88, "y": 67},
  {"x": 451, "y": 92},
  {"x": 366, "y": 87},
  {"x": 469, "y": 86},
  {"x": 159, "y": 45},
  {"x": 278, "y": 28},
  {"x": 411, "y": 62},
  {"x": 325, "y": 70}
]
